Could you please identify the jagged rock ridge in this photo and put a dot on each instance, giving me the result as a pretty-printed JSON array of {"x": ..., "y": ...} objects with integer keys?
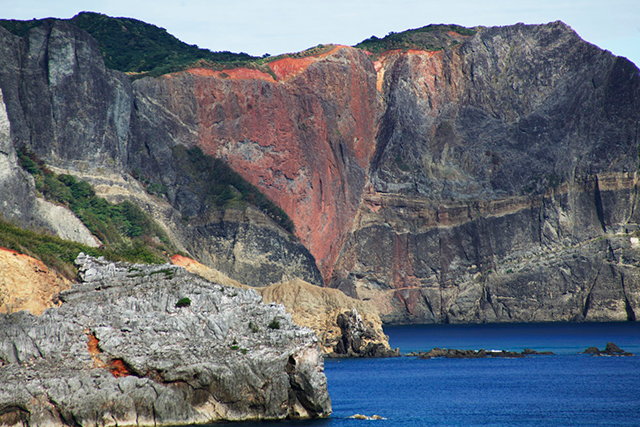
[{"x": 120, "y": 350}]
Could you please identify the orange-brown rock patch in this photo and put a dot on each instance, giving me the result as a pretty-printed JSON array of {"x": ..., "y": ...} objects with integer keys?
[{"x": 27, "y": 284}]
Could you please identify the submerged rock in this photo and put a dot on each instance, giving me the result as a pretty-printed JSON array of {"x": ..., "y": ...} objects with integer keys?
[{"x": 121, "y": 351}]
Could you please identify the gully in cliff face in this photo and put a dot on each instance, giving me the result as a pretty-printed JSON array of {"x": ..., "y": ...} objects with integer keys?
[{"x": 121, "y": 350}]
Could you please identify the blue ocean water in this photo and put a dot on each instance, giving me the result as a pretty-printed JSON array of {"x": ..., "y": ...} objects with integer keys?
[{"x": 567, "y": 389}]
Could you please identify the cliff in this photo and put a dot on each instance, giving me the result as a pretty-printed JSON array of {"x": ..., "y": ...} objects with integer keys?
[
  {"x": 504, "y": 184},
  {"x": 122, "y": 350},
  {"x": 492, "y": 180},
  {"x": 61, "y": 103}
]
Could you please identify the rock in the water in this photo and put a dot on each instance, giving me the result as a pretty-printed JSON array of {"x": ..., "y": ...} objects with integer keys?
[
  {"x": 451, "y": 353},
  {"x": 610, "y": 350},
  {"x": 121, "y": 351},
  {"x": 356, "y": 340}
]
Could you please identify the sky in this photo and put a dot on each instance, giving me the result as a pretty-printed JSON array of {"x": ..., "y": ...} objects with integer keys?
[{"x": 284, "y": 26}]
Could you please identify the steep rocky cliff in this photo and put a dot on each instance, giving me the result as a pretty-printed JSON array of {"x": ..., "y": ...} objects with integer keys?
[
  {"x": 141, "y": 345},
  {"x": 305, "y": 139},
  {"x": 492, "y": 180},
  {"x": 60, "y": 102},
  {"x": 504, "y": 184}
]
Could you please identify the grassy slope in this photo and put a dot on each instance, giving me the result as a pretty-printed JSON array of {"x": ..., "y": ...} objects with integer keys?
[
  {"x": 430, "y": 37},
  {"x": 127, "y": 233}
]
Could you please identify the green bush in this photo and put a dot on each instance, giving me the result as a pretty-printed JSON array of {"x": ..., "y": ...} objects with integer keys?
[
  {"x": 274, "y": 324},
  {"x": 431, "y": 37},
  {"x": 183, "y": 302},
  {"x": 253, "y": 327}
]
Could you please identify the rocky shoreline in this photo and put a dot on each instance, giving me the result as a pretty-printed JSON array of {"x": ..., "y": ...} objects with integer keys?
[{"x": 156, "y": 345}]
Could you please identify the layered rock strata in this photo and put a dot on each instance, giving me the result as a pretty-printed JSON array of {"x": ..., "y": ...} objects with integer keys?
[{"x": 121, "y": 350}]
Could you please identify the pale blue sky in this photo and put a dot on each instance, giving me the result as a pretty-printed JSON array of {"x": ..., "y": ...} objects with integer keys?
[{"x": 279, "y": 26}]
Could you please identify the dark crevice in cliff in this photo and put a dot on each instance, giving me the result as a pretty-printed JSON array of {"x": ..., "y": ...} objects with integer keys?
[
  {"x": 588, "y": 299},
  {"x": 598, "y": 202},
  {"x": 15, "y": 415},
  {"x": 631, "y": 315}
]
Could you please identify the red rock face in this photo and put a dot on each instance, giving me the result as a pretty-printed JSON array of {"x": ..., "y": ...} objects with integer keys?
[{"x": 305, "y": 140}]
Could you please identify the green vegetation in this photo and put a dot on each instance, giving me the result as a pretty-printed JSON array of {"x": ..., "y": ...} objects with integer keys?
[
  {"x": 134, "y": 46},
  {"x": 274, "y": 324},
  {"x": 221, "y": 186},
  {"x": 431, "y": 37},
  {"x": 127, "y": 233},
  {"x": 59, "y": 254},
  {"x": 183, "y": 302},
  {"x": 52, "y": 251},
  {"x": 142, "y": 49},
  {"x": 253, "y": 327}
]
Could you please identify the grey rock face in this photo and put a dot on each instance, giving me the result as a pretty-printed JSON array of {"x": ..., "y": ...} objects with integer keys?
[
  {"x": 118, "y": 351},
  {"x": 249, "y": 248},
  {"x": 505, "y": 171}
]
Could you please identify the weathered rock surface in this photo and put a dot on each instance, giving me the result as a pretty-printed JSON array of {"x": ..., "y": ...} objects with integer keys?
[
  {"x": 345, "y": 327},
  {"x": 333, "y": 316},
  {"x": 304, "y": 140},
  {"x": 27, "y": 284},
  {"x": 118, "y": 351}
]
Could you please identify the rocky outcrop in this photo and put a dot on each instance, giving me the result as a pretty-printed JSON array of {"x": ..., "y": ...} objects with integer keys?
[
  {"x": 341, "y": 323},
  {"x": 610, "y": 350},
  {"x": 27, "y": 284},
  {"x": 335, "y": 317},
  {"x": 504, "y": 184},
  {"x": 358, "y": 340},
  {"x": 121, "y": 350}
]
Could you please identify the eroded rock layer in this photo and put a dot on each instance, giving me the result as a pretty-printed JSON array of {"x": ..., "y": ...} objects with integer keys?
[{"x": 142, "y": 345}]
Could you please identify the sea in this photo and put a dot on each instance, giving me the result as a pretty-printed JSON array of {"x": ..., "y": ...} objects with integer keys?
[{"x": 564, "y": 389}]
